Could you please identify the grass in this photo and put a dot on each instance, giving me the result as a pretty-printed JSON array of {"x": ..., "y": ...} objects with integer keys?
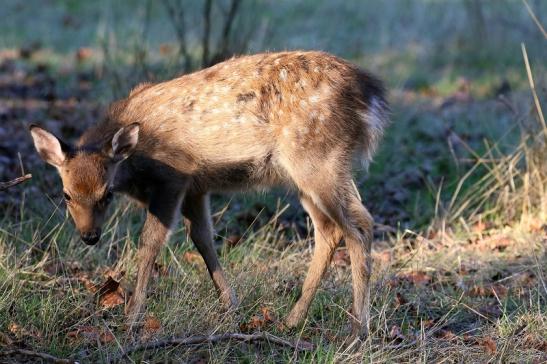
[{"x": 457, "y": 189}]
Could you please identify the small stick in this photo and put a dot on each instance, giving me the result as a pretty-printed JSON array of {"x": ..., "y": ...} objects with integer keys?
[
  {"x": 14, "y": 182},
  {"x": 44, "y": 356},
  {"x": 210, "y": 339}
]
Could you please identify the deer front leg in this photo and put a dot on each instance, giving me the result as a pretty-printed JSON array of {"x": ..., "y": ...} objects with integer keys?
[
  {"x": 196, "y": 211},
  {"x": 163, "y": 207}
]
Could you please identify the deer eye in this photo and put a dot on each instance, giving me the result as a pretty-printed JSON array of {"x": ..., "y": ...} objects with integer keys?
[{"x": 66, "y": 196}]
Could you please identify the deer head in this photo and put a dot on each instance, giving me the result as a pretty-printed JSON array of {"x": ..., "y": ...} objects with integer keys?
[{"x": 87, "y": 174}]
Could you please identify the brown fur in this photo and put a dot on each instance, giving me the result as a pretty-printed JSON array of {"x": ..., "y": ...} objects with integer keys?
[{"x": 295, "y": 118}]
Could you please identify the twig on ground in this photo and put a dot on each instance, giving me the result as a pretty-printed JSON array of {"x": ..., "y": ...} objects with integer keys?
[
  {"x": 35, "y": 354},
  {"x": 211, "y": 339},
  {"x": 14, "y": 182}
]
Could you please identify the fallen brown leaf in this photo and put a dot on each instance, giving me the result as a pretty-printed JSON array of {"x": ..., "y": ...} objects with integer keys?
[
  {"x": 91, "y": 334},
  {"x": 492, "y": 290},
  {"x": 21, "y": 332},
  {"x": 446, "y": 335},
  {"x": 531, "y": 341},
  {"x": 495, "y": 242},
  {"x": 268, "y": 315},
  {"x": 88, "y": 284},
  {"x": 418, "y": 278},
  {"x": 152, "y": 324},
  {"x": 257, "y": 322},
  {"x": 110, "y": 293},
  {"x": 488, "y": 344}
]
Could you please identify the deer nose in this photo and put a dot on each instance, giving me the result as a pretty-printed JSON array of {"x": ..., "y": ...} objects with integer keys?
[{"x": 91, "y": 237}]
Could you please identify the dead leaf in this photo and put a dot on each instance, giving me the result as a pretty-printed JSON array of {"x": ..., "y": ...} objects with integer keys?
[
  {"x": 88, "y": 284},
  {"x": 193, "y": 257},
  {"x": 500, "y": 243},
  {"x": 341, "y": 258},
  {"x": 257, "y": 322},
  {"x": 531, "y": 341},
  {"x": 91, "y": 334},
  {"x": 492, "y": 290},
  {"x": 21, "y": 332},
  {"x": 152, "y": 324},
  {"x": 488, "y": 344},
  {"x": 446, "y": 335},
  {"x": 110, "y": 293},
  {"x": 418, "y": 278},
  {"x": 267, "y": 314},
  {"x": 496, "y": 242}
]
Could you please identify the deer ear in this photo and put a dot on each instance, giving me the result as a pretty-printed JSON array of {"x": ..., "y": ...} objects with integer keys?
[
  {"x": 51, "y": 149},
  {"x": 124, "y": 142}
]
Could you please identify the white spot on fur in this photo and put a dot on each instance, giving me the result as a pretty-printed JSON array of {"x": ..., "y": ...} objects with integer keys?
[
  {"x": 314, "y": 99},
  {"x": 286, "y": 131},
  {"x": 283, "y": 74}
]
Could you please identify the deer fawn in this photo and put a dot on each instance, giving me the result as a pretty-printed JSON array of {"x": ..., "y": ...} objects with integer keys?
[{"x": 292, "y": 118}]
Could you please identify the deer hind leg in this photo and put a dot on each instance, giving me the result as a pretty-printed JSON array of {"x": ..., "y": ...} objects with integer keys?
[
  {"x": 358, "y": 238},
  {"x": 327, "y": 237},
  {"x": 197, "y": 218},
  {"x": 335, "y": 196}
]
